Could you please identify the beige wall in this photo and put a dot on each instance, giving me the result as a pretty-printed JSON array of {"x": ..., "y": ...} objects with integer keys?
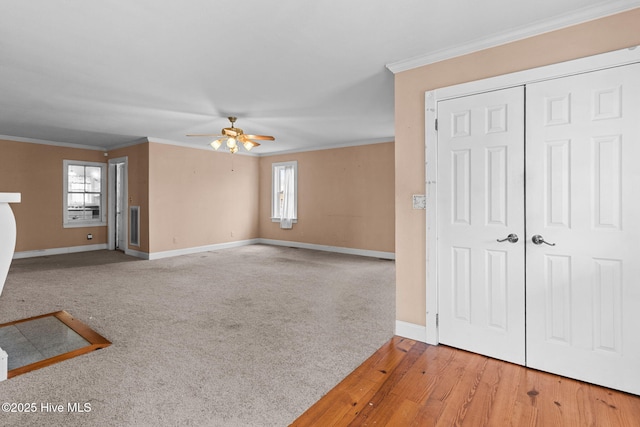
[
  {"x": 345, "y": 198},
  {"x": 138, "y": 187},
  {"x": 190, "y": 197},
  {"x": 603, "y": 35},
  {"x": 35, "y": 170},
  {"x": 200, "y": 197}
]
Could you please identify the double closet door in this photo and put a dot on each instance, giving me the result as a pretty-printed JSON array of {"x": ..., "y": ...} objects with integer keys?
[{"x": 539, "y": 225}]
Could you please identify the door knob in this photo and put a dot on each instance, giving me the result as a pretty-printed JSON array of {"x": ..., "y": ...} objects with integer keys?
[
  {"x": 538, "y": 240},
  {"x": 512, "y": 238}
]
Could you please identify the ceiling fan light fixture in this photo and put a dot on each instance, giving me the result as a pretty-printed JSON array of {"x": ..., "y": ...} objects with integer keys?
[
  {"x": 248, "y": 145},
  {"x": 216, "y": 144},
  {"x": 233, "y": 137}
]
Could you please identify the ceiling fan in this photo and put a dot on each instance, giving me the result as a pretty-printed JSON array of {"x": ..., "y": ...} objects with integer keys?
[{"x": 233, "y": 136}]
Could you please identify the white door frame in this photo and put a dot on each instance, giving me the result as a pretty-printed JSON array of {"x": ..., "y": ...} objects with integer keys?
[
  {"x": 578, "y": 66},
  {"x": 111, "y": 223}
]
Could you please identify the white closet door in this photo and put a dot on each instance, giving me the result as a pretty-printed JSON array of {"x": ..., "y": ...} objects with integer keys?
[
  {"x": 583, "y": 196},
  {"x": 480, "y": 200}
]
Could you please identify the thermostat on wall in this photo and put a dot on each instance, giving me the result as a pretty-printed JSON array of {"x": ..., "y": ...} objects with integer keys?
[{"x": 419, "y": 201}]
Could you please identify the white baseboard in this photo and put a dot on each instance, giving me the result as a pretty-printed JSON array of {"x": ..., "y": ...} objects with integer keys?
[
  {"x": 338, "y": 249},
  {"x": 198, "y": 249},
  {"x": 137, "y": 254},
  {"x": 411, "y": 331},
  {"x": 59, "y": 251},
  {"x": 214, "y": 247}
]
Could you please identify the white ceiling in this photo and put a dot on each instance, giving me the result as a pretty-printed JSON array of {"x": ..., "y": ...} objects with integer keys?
[{"x": 110, "y": 72}]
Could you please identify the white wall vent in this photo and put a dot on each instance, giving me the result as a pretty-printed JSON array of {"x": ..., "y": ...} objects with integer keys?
[{"x": 134, "y": 225}]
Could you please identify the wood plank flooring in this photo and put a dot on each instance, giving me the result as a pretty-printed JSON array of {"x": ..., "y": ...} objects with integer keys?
[{"x": 409, "y": 383}]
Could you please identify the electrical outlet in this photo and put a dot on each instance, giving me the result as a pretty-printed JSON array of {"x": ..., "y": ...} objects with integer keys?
[
  {"x": 419, "y": 201},
  {"x": 89, "y": 236}
]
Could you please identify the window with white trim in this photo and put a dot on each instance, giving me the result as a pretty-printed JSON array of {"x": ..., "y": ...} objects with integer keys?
[
  {"x": 84, "y": 198},
  {"x": 284, "y": 193}
]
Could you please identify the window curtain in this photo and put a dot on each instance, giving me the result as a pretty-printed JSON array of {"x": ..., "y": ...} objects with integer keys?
[{"x": 287, "y": 211}]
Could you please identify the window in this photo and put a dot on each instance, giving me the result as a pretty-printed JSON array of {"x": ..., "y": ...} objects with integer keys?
[
  {"x": 84, "y": 194},
  {"x": 284, "y": 193}
]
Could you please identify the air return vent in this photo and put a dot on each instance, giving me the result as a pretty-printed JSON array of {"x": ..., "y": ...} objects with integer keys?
[{"x": 134, "y": 225}]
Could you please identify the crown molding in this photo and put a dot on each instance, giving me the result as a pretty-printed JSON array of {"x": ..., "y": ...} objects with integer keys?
[
  {"x": 206, "y": 147},
  {"x": 47, "y": 142},
  {"x": 562, "y": 21},
  {"x": 331, "y": 147},
  {"x": 195, "y": 146},
  {"x": 142, "y": 140}
]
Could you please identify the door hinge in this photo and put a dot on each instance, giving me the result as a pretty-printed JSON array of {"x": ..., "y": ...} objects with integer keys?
[
  {"x": 436, "y": 124},
  {"x": 437, "y": 320}
]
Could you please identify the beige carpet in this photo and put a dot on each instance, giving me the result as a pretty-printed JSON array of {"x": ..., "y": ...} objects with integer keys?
[{"x": 250, "y": 336}]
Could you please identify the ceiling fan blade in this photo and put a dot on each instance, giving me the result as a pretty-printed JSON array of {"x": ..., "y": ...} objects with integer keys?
[
  {"x": 204, "y": 134},
  {"x": 261, "y": 137}
]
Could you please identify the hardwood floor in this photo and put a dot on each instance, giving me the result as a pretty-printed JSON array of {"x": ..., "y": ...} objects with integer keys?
[{"x": 409, "y": 383}]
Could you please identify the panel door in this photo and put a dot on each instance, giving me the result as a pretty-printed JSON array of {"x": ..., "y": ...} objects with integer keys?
[
  {"x": 481, "y": 201},
  {"x": 583, "y": 196}
]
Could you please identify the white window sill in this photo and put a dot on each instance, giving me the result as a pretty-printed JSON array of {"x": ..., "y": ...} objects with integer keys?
[
  {"x": 295, "y": 220},
  {"x": 84, "y": 224}
]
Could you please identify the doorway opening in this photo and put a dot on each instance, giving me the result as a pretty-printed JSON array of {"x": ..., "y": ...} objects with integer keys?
[{"x": 118, "y": 202}]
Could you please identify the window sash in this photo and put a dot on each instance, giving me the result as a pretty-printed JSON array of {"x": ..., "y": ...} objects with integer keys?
[
  {"x": 277, "y": 189},
  {"x": 84, "y": 201}
]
